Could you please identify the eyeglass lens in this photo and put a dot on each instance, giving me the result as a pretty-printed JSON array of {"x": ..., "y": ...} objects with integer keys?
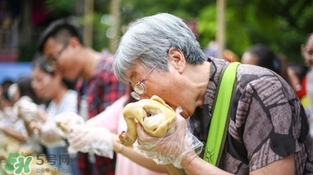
[
  {"x": 139, "y": 88},
  {"x": 135, "y": 95}
]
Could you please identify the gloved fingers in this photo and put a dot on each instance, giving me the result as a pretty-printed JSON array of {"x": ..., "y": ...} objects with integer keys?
[
  {"x": 143, "y": 137},
  {"x": 35, "y": 125},
  {"x": 27, "y": 107},
  {"x": 78, "y": 142},
  {"x": 170, "y": 148},
  {"x": 69, "y": 118},
  {"x": 77, "y": 136},
  {"x": 178, "y": 130},
  {"x": 49, "y": 135},
  {"x": 86, "y": 138}
]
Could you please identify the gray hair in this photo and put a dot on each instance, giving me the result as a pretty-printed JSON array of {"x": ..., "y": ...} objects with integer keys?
[{"x": 149, "y": 39}]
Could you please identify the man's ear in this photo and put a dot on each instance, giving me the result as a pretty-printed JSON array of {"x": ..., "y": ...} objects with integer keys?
[
  {"x": 177, "y": 59},
  {"x": 74, "y": 42}
]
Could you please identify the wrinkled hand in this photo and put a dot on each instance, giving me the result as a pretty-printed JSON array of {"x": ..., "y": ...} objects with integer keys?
[
  {"x": 85, "y": 138},
  {"x": 170, "y": 148},
  {"x": 48, "y": 133}
]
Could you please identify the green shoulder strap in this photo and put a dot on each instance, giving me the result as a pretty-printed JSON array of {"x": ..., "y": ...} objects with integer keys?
[{"x": 219, "y": 121}]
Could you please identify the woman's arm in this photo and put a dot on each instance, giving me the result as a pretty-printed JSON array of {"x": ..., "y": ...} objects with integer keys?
[
  {"x": 141, "y": 160},
  {"x": 13, "y": 133},
  {"x": 194, "y": 165},
  {"x": 175, "y": 171},
  {"x": 28, "y": 128}
]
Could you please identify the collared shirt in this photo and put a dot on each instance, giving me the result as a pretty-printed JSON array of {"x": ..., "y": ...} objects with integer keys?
[
  {"x": 267, "y": 121},
  {"x": 100, "y": 91}
]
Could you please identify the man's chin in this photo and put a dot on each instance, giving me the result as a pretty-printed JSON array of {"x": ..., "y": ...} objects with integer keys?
[{"x": 70, "y": 78}]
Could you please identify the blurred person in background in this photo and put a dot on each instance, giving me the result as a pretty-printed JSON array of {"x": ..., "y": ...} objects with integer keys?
[
  {"x": 307, "y": 50},
  {"x": 284, "y": 63},
  {"x": 212, "y": 48},
  {"x": 6, "y": 84},
  {"x": 307, "y": 54},
  {"x": 4, "y": 101},
  {"x": 50, "y": 85},
  {"x": 307, "y": 82},
  {"x": 262, "y": 55},
  {"x": 97, "y": 86},
  {"x": 12, "y": 125},
  {"x": 296, "y": 73}
]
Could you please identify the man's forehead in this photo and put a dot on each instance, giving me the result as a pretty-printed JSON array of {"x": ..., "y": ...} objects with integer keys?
[
  {"x": 51, "y": 45},
  {"x": 51, "y": 42}
]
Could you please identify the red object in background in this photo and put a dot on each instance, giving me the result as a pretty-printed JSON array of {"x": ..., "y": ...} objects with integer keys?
[
  {"x": 302, "y": 91},
  {"x": 8, "y": 55},
  {"x": 39, "y": 14}
]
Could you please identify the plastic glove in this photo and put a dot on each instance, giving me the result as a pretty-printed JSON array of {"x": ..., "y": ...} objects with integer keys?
[
  {"x": 67, "y": 119},
  {"x": 85, "y": 138},
  {"x": 170, "y": 148},
  {"x": 26, "y": 109},
  {"x": 48, "y": 133}
]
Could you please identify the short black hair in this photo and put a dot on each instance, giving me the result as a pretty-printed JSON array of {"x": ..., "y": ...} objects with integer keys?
[
  {"x": 265, "y": 57},
  {"x": 61, "y": 26},
  {"x": 6, "y": 83}
]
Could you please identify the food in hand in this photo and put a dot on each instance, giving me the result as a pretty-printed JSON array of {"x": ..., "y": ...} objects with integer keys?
[{"x": 156, "y": 117}]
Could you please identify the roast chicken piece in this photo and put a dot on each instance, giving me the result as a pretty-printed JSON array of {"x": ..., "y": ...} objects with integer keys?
[{"x": 156, "y": 117}]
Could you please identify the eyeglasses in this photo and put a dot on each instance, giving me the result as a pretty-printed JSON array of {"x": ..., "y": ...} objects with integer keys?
[
  {"x": 139, "y": 87},
  {"x": 51, "y": 62}
]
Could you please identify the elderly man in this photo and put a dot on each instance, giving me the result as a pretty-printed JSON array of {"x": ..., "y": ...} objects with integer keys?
[{"x": 268, "y": 128}]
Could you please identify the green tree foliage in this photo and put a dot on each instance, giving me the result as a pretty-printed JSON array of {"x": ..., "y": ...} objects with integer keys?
[
  {"x": 281, "y": 24},
  {"x": 57, "y": 7}
]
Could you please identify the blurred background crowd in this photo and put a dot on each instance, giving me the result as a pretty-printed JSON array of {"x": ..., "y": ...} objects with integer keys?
[{"x": 272, "y": 34}]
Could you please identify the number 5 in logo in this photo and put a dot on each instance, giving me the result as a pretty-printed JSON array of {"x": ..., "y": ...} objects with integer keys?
[{"x": 11, "y": 160}]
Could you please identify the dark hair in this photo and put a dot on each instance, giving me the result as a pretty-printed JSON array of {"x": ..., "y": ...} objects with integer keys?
[
  {"x": 25, "y": 88},
  {"x": 265, "y": 57},
  {"x": 41, "y": 63},
  {"x": 5, "y": 86},
  {"x": 6, "y": 83},
  {"x": 61, "y": 30}
]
